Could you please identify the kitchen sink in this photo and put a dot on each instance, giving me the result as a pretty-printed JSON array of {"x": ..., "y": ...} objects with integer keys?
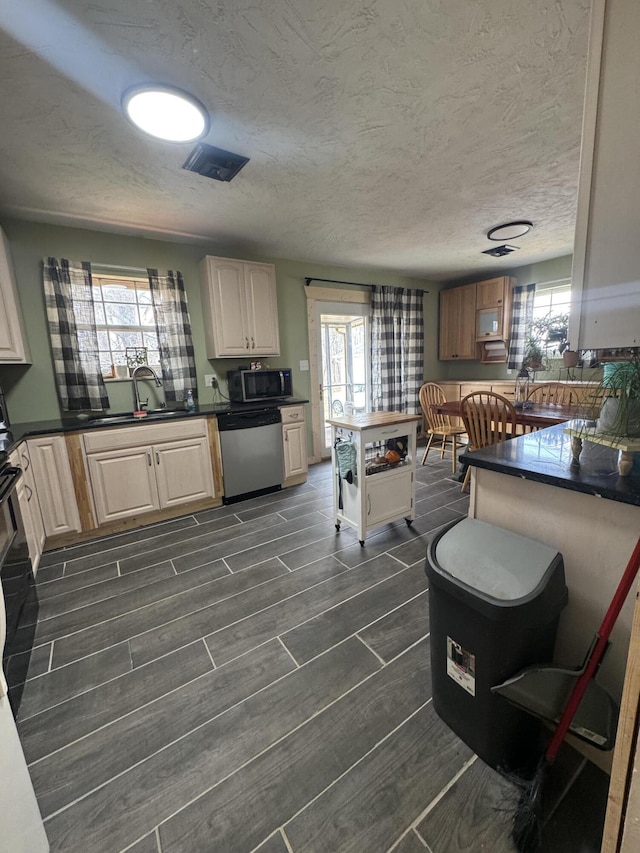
[{"x": 128, "y": 417}]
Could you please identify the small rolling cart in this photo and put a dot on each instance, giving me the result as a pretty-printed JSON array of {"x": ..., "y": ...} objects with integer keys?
[{"x": 373, "y": 456}]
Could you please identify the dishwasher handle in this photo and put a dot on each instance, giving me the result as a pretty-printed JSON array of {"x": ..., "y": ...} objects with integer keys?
[{"x": 248, "y": 420}]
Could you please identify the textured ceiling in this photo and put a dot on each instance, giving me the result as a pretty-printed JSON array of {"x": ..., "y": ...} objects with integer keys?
[{"x": 381, "y": 133}]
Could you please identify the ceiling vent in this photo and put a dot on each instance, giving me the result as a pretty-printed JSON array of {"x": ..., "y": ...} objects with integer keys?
[
  {"x": 212, "y": 162},
  {"x": 500, "y": 251}
]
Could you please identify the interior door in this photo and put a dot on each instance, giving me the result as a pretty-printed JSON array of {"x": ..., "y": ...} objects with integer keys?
[{"x": 344, "y": 353}]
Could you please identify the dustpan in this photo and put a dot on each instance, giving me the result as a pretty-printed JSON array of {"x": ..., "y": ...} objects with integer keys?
[{"x": 544, "y": 690}]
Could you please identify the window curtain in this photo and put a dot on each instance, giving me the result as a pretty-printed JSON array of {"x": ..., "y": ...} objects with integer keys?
[
  {"x": 72, "y": 329},
  {"x": 521, "y": 316},
  {"x": 397, "y": 349},
  {"x": 173, "y": 326}
]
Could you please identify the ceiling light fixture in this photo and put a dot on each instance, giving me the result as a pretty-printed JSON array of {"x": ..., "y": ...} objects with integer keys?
[
  {"x": 166, "y": 113},
  {"x": 510, "y": 230}
]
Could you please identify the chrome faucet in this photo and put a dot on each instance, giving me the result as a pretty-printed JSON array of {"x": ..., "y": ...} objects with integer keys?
[{"x": 139, "y": 405}]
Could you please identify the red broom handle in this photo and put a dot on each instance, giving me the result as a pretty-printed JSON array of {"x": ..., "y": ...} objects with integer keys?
[{"x": 599, "y": 649}]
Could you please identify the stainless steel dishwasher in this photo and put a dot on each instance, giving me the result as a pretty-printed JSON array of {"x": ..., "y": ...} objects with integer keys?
[{"x": 252, "y": 455}]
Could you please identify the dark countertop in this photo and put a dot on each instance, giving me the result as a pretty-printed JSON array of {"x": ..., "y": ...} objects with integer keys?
[
  {"x": 72, "y": 423},
  {"x": 545, "y": 457}
]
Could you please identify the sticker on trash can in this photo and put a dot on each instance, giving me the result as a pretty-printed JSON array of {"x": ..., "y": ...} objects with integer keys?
[{"x": 461, "y": 666}]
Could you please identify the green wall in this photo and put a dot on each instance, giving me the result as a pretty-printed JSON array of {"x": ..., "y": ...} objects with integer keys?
[{"x": 31, "y": 391}]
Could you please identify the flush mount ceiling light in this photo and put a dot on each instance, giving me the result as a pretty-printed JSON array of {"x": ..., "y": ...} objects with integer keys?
[
  {"x": 510, "y": 230},
  {"x": 166, "y": 113}
]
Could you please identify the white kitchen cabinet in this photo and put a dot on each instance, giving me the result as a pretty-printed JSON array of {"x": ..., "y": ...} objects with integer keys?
[
  {"x": 14, "y": 348},
  {"x": 142, "y": 469},
  {"x": 54, "y": 484},
  {"x": 379, "y": 493},
  {"x": 123, "y": 483},
  {"x": 29, "y": 505},
  {"x": 240, "y": 308},
  {"x": 294, "y": 442}
]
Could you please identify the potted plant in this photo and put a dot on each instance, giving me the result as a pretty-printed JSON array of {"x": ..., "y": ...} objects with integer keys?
[
  {"x": 620, "y": 412},
  {"x": 534, "y": 353}
]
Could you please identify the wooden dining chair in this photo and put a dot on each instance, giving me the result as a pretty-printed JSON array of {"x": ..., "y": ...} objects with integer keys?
[
  {"x": 431, "y": 394},
  {"x": 489, "y": 418},
  {"x": 555, "y": 393}
]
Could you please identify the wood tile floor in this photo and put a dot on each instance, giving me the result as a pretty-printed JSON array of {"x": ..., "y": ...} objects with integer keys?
[{"x": 247, "y": 680}]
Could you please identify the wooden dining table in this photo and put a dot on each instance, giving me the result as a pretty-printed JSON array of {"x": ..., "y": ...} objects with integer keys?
[{"x": 538, "y": 416}]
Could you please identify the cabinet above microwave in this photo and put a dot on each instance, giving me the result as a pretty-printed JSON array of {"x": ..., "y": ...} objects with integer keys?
[{"x": 240, "y": 308}]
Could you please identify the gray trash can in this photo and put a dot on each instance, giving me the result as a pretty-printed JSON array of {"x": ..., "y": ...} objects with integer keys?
[{"x": 494, "y": 603}]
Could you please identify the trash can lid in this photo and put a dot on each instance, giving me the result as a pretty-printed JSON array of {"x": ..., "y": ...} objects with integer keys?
[{"x": 493, "y": 560}]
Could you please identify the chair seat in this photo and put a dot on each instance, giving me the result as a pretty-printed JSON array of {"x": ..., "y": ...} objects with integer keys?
[{"x": 447, "y": 430}]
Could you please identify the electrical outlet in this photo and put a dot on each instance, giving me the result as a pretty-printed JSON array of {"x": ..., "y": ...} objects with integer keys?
[{"x": 210, "y": 380}]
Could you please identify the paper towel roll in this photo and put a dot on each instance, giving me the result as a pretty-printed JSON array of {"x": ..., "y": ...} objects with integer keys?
[{"x": 498, "y": 345}]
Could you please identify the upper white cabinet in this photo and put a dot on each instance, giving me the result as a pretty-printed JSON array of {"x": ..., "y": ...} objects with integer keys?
[
  {"x": 605, "y": 310},
  {"x": 13, "y": 341},
  {"x": 240, "y": 308}
]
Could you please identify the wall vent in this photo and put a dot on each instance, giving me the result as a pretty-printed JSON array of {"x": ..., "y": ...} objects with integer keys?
[
  {"x": 212, "y": 162},
  {"x": 500, "y": 251}
]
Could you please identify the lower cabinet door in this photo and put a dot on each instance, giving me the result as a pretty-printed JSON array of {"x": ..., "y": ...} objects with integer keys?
[
  {"x": 183, "y": 471},
  {"x": 123, "y": 483},
  {"x": 295, "y": 449},
  {"x": 389, "y": 496}
]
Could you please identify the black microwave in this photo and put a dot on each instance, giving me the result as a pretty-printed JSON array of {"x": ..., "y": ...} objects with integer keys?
[{"x": 248, "y": 386}]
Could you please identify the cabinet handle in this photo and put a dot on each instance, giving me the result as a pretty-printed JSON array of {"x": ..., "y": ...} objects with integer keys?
[
  {"x": 320, "y": 392},
  {"x": 157, "y": 458},
  {"x": 30, "y": 490},
  {"x": 246, "y": 343},
  {"x": 253, "y": 343},
  {"x": 499, "y": 301},
  {"x": 149, "y": 458},
  {"x": 26, "y": 461},
  {"x": 286, "y": 436},
  {"x": 294, "y": 416},
  {"x": 389, "y": 431},
  {"x": 368, "y": 504}
]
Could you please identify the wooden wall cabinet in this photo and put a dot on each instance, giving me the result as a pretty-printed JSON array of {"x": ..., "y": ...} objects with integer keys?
[
  {"x": 294, "y": 441},
  {"x": 458, "y": 323},
  {"x": 14, "y": 348},
  {"x": 240, "y": 308}
]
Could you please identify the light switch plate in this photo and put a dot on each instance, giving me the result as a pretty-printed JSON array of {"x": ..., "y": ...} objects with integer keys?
[{"x": 304, "y": 365}]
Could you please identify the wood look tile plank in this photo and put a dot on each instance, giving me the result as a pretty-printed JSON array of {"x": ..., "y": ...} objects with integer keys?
[
  {"x": 238, "y": 813},
  {"x": 36, "y": 661},
  {"x": 416, "y": 550},
  {"x": 49, "y": 572},
  {"x": 332, "y": 543},
  {"x": 61, "y": 725},
  {"x": 62, "y": 586},
  {"x": 285, "y": 541},
  {"x": 336, "y": 586},
  {"x": 148, "y": 844},
  {"x": 189, "y": 602},
  {"x": 394, "y": 633},
  {"x": 281, "y": 585},
  {"x": 428, "y": 502},
  {"x": 52, "y": 688},
  {"x": 131, "y": 805},
  {"x": 64, "y": 776},
  {"x": 69, "y": 598},
  {"x": 75, "y": 619},
  {"x": 192, "y": 551},
  {"x": 334, "y": 625},
  {"x": 475, "y": 814},
  {"x": 411, "y": 844},
  {"x": 274, "y": 844},
  {"x": 145, "y": 542},
  {"x": 369, "y": 807}
]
